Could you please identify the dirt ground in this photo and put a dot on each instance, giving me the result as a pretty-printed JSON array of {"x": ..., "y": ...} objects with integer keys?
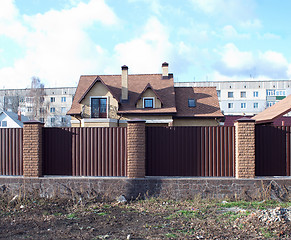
[{"x": 139, "y": 219}]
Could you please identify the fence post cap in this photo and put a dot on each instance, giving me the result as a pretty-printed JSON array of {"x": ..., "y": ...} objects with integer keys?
[
  {"x": 245, "y": 119},
  {"x": 33, "y": 122},
  {"x": 136, "y": 120}
]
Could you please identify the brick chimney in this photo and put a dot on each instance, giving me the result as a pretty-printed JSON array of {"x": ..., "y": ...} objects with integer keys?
[
  {"x": 19, "y": 115},
  {"x": 124, "y": 82},
  {"x": 165, "y": 70}
]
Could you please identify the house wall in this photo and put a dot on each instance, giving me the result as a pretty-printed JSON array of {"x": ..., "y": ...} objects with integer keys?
[
  {"x": 99, "y": 90},
  {"x": 10, "y": 122},
  {"x": 195, "y": 122},
  {"x": 149, "y": 93}
]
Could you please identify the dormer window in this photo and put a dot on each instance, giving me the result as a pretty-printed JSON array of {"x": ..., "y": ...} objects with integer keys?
[
  {"x": 191, "y": 103},
  {"x": 148, "y": 102},
  {"x": 98, "y": 107}
]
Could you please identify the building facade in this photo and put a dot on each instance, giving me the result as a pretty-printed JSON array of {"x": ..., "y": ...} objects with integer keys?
[
  {"x": 245, "y": 98},
  {"x": 47, "y": 105}
]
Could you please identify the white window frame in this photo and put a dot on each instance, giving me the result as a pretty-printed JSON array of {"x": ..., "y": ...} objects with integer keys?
[
  {"x": 146, "y": 98},
  {"x": 63, "y": 99},
  {"x": 228, "y": 95},
  {"x": 243, "y": 93},
  {"x": 229, "y": 105},
  {"x": 256, "y": 94},
  {"x": 107, "y": 102},
  {"x": 243, "y": 105},
  {"x": 256, "y": 105}
]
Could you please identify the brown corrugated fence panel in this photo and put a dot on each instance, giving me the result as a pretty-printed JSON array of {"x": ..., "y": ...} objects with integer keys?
[
  {"x": 190, "y": 151},
  {"x": 85, "y": 151},
  {"x": 272, "y": 151},
  {"x": 11, "y": 157}
]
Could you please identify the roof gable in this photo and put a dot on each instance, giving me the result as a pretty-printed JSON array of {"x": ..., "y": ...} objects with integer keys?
[
  {"x": 277, "y": 110},
  {"x": 98, "y": 79},
  {"x": 148, "y": 86}
]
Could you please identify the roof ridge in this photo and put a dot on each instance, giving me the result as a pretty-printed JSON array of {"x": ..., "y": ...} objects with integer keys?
[{"x": 120, "y": 74}]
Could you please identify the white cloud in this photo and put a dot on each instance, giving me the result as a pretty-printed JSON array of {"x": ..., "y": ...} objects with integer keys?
[
  {"x": 230, "y": 32},
  {"x": 9, "y": 21},
  {"x": 145, "y": 53},
  {"x": 269, "y": 36},
  {"x": 155, "y": 5},
  {"x": 251, "y": 24},
  {"x": 239, "y": 10},
  {"x": 58, "y": 48},
  {"x": 236, "y": 63}
]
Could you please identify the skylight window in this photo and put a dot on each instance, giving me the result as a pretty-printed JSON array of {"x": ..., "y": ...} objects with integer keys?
[{"x": 191, "y": 103}]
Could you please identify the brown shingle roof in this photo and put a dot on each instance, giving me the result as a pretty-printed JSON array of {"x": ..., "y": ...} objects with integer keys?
[
  {"x": 277, "y": 110},
  {"x": 164, "y": 88},
  {"x": 207, "y": 104}
]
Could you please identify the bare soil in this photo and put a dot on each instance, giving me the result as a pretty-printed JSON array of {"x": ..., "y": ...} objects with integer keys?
[{"x": 139, "y": 219}]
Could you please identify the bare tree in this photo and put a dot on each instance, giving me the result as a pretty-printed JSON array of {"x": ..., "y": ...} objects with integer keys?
[{"x": 36, "y": 102}]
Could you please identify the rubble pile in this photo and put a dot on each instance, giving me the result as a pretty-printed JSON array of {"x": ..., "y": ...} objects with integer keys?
[{"x": 275, "y": 215}]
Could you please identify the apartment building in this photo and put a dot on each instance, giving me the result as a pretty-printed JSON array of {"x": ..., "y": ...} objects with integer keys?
[
  {"x": 247, "y": 97},
  {"x": 47, "y": 105}
]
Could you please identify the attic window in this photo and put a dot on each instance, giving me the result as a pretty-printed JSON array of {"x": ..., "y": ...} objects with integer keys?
[
  {"x": 148, "y": 102},
  {"x": 191, "y": 103}
]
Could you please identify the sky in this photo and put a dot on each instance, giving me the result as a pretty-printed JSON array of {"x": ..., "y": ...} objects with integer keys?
[{"x": 202, "y": 40}]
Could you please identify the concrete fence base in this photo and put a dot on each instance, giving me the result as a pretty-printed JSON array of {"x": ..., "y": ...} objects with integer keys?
[{"x": 165, "y": 188}]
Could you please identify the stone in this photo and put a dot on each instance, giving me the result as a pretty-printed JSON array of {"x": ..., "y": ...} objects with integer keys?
[{"x": 121, "y": 199}]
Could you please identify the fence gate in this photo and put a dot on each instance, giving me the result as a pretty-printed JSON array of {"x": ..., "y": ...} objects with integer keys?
[
  {"x": 190, "y": 151},
  {"x": 272, "y": 151},
  {"x": 84, "y": 151}
]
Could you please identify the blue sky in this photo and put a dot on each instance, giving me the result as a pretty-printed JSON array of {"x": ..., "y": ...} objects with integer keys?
[{"x": 59, "y": 40}]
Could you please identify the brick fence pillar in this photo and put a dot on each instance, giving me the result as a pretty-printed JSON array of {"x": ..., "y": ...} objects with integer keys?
[
  {"x": 136, "y": 148},
  {"x": 245, "y": 148},
  {"x": 32, "y": 149}
]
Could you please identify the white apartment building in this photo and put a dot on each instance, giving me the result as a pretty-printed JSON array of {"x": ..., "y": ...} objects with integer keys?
[
  {"x": 245, "y": 98},
  {"x": 47, "y": 105}
]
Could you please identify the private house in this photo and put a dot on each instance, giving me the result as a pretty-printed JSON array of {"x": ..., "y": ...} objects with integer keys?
[
  {"x": 12, "y": 120},
  {"x": 111, "y": 100}
]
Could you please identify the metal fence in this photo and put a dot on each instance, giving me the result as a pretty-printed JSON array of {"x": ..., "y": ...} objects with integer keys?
[
  {"x": 11, "y": 157},
  {"x": 190, "y": 151},
  {"x": 85, "y": 151},
  {"x": 273, "y": 151}
]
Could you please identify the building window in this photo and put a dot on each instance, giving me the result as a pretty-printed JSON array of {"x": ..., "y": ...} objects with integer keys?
[
  {"x": 243, "y": 94},
  {"x": 98, "y": 107},
  {"x": 243, "y": 105},
  {"x": 4, "y": 123},
  {"x": 280, "y": 93},
  {"x": 148, "y": 102},
  {"x": 41, "y": 120},
  {"x": 270, "y": 92},
  {"x": 53, "y": 120},
  {"x": 270, "y": 103},
  {"x": 64, "y": 120},
  {"x": 64, "y": 110},
  {"x": 191, "y": 103},
  {"x": 218, "y": 93},
  {"x": 230, "y": 105},
  {"x": 29, "y": 100},
  {"x": 230, "y": 94},
  {"x": 29, "y": 109},
  {"x": 53, "y": 99},
  {"x": 256, "y": 93},
  {"x": 63, "y": 99},
  {"x": 256, "y": 105},
  {"x": 52, "y": 110},
  {"x": 41, "y": 110}
]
